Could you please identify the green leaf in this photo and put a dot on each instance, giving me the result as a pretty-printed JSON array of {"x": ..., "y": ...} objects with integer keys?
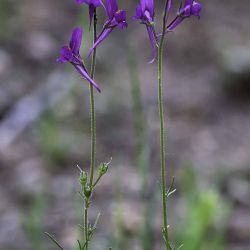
[{"x": 54, "y": 240}]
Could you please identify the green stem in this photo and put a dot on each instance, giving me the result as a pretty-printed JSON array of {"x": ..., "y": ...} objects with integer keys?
[
  {"x": 93, "y": 136},
  {"x": 162, "y": 148},
  {"x": 86, "y": 226},
  {"x": 162, "y": 135},
  {"x": 97, "y": 180},
  {"x": 92, "y": 107}
]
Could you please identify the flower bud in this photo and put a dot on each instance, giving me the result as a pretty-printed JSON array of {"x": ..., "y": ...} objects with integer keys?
[
  {"x": 83, "y": 178},
  {"x": 103, "y": 168},
  {"x": 87, "y": 191}
]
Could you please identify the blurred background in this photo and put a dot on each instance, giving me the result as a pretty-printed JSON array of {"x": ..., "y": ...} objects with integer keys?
[{"x": 44, "y": 130}]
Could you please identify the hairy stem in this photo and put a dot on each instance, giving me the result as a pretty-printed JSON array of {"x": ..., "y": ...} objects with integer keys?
[
  {"x": 86, "y": 224},
  {"x": 93, "y": 136},
  {"x": 162, "y": 149},
  {"x": 162, "y": 133},
  {"x": 92, "y": 107}
]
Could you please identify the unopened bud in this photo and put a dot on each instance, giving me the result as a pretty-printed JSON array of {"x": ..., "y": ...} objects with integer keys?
[
  {"x": 103, "y": 168},
  {"x": 87, "y": 191},
  {"x": 83, "y": 178}
]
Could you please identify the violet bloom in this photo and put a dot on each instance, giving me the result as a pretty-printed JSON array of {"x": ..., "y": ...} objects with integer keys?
[
  {"x": 145, "y": 12},
  {"x": 169, "y": 6},
  {"x": 71, "y": 54},
  {"x": 190, "y": 8},
  {"x": 116, "y": 18},
  {"x": 93, "y": 4}
]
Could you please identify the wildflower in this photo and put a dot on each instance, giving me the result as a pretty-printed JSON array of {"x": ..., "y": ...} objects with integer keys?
[
  {"x": 71, "y": 54},
  {"x": 145, "y": 12},
  {"x": 169, "y": 5},
  {"x": 190, "y": 8},
  {"x": 116, "y": 18},
  {"x": 93, "y": 4}
]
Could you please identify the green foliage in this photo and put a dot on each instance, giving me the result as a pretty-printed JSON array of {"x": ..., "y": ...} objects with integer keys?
[{"x": 205, "y": 214}]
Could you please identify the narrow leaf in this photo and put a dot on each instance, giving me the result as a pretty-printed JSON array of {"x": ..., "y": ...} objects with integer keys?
[
  {"x": 79, "y": 243},
  {"x": 54, "y": 240}
]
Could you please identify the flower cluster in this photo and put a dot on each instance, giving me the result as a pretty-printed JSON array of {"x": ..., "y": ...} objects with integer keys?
[
  {"x": 71, "y": 52},
  {"x": 145, "y": 12}
]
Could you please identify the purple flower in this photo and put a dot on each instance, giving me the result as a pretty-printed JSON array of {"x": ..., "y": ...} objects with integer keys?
[
  {"x": 93, "y": 4},
  {"x": 145, "y": 12},
  {"x": 169, "y": 5},
  {"x": 116, "y": 18},
  {"x": 71, "y": 54},
  {"x": 190, "y": 8}
]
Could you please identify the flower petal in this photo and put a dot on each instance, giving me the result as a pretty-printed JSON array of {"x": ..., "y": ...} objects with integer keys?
[
  {"x": 80, "y": 1},
  {"x": 96, "y": 3},
  {"x": 143, "y": 4},
  {"x": 76, "y": 40},
  {"x": 196, "y": 9},
  {"x": 150, "y": 6},
  {"x": 151, "y": 35},
  {"x": 138, "y": 14},
  {"x": 169, "y": 6},
  {"x": 187, "y": 8},
  {"x": 65, "y": 55},
  {"x": 120, "y": 18},
  {"x": 111, "y": 8},
  {"x": 175, "y": 23},
  {"x": 91, "y": 13},
  {"x": 188, "y": 3}
]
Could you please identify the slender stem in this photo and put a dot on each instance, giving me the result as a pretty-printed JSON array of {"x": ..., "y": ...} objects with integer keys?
[
  {"x": 86, "y": 223},
  {"x": 92, "y": 107},
  {"x": 93, "y": 135},
  {"x": 162, "y": 148},
  {"x": 162, "y": 133},
  {"x": 96, "y": 182}
]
